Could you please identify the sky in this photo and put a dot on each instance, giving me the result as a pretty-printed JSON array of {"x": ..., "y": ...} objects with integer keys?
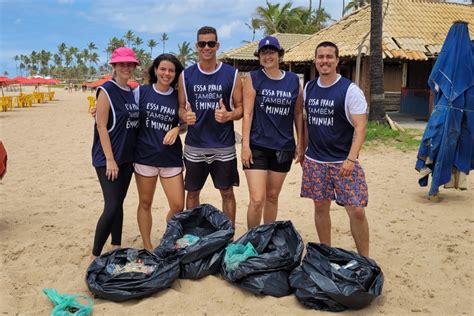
[{"x": 27, "y": 25}]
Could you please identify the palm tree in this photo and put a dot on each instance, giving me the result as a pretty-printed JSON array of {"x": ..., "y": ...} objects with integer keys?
[
  {"x": 145, "y": 60},
  {"x": 137, "y": 41},
  {"x": 129, "y": 37},
  {"x": 186, "y": 53},
  {"x": 73, "y": 52},
  {"x": 62, "y": 50},
  {"x": 44, "y": 58},
  {"x": 254, "y": 26},
  {"x": 93, "y": 59},
  {"x": 113, "y": 44},
  {"x": 34, "y": 57},
  {"x": 164, "y": 38},
  {"x": 272, "y": 18},
  {"x": 377, "y": 96},
  {"x": 68, "y": 59},
  {"x": 152, "y": 44},
  {"x": 57, "y": 60},
  {"x": 285, "y": 19},
  {"x": 26, "y": 63},
  {"x": 91, "y": 46},
  {"x": 303, "y": 21},
  {"x": 355, "y": 4},
  {"x": 16, "y": 59}
]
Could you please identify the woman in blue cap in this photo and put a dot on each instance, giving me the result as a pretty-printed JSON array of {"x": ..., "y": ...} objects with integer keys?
[
  {"x": 115, "y": 132},
  {"x": 273, "y": 103}
]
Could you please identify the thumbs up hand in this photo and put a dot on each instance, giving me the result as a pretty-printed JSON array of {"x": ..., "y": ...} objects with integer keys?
[
  {"x": 190, "y": 117},
  {"x": 221, "y": 114}
]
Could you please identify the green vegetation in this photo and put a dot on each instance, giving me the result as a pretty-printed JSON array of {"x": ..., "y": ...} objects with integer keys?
[
  {"x": 76, "y": 65},
  {"x": 378, "y": 133},
  {"x": 272, "y": 18}
]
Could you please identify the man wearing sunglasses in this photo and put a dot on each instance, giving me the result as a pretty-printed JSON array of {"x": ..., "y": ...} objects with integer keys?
[{"x": 210, "y": 99}]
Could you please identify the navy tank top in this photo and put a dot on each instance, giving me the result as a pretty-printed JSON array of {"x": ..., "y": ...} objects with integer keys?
[
  {"x": 274, "y": 110},
  {"x": 330, "y": 132},
  {"x": 122, "y": 125},
  {"x": 203, "y": 92},
  {"x": 158, "y": 115}
]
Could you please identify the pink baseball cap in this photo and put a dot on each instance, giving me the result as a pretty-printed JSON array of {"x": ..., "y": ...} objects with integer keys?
[{"x": 123, "y": 55}]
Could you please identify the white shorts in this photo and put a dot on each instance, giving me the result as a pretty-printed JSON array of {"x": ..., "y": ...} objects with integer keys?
[{"x": 152, "y": 171}]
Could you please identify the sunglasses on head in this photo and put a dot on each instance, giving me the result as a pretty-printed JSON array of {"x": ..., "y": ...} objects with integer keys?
[{"x": 211, "y": 44}]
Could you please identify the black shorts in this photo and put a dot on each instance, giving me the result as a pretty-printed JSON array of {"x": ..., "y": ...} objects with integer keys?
[
  {"x": 266, "y": 159},
  {"x": 224, "y": 174}
]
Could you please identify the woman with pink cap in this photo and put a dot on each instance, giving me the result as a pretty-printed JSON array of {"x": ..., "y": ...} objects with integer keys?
[
  {"x": 115, "y": 132},
  {"x": 273, "y": 103}
]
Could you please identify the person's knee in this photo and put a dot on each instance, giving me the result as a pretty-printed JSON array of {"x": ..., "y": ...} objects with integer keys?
[
  {"x": 113, "y": 207},
  {"x": 321, "y": 207},
  {"x": 193, "y": 195},
  {"x": 357, "y": 213},
  {"x": 176, "y": 206},
  {"x": 257, "y": 202},
  {"x": 228, "y": 194},
  {"x": 145, "y": 205},
  {"x": 272, "y": 196}
]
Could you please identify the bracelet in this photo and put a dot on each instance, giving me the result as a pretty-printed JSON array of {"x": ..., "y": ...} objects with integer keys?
[{"x": 353, "y": 161}]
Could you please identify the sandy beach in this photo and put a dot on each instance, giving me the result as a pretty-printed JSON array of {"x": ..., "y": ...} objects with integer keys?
[{"x": 51, "y": 200}]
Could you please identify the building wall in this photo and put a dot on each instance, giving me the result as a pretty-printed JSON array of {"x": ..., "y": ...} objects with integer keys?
[{"x": 392, "y": 77}]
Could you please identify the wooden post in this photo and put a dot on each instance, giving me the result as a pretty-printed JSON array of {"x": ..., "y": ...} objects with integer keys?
[{"x": 404, "y": 75}]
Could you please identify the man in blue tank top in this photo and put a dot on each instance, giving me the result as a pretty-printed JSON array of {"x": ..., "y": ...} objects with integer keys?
[
  {"x": 210, "y": 99},
  {"x": 335, "y": 123}
]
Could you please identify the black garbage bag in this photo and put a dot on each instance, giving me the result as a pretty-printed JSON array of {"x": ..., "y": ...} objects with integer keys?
[
  {"x": 279, "y": 248},
  {"x": 334, "y": 279},
  {"x": 107, "y": 275},
  {"x": 215, "y": 231}
]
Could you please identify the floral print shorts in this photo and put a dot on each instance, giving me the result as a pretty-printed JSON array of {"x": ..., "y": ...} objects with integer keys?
[{"x": 322, "y": 181}]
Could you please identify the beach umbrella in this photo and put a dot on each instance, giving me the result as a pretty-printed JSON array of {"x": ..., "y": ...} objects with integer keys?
[
  {"x": 22, "y": 80},
  {"x": 447, "y": 146},
  {"x": 40, "y": 81},
  {"x": 5, "y": 81}
]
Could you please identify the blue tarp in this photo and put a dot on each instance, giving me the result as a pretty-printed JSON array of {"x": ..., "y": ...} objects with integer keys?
[{"x": 448, "y": 140}]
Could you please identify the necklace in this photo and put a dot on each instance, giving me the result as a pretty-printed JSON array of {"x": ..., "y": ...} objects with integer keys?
[{"x": 270, "y": 76}]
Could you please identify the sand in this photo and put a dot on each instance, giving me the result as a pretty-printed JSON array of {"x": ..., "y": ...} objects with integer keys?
[{"x": 51, "y": 200}]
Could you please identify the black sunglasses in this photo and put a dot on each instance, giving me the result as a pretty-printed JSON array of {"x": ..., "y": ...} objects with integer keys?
[{"x": 211, "y": 44}]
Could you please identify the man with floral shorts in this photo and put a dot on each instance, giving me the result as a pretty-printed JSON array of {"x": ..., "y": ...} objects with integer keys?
[{"x": 335, "y": 131}]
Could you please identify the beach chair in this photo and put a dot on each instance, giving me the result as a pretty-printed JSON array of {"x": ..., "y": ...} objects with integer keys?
[
  {"x": 4, "y": 104},
  {"x": 9, "y": 101},
  {"x": 17, "y": 100},
  {"x": 51, "y": 95},
  {"x": 91, "y": 100},
  {"x": 36, "y": 97},
  {"x": 28, "y": 100}
]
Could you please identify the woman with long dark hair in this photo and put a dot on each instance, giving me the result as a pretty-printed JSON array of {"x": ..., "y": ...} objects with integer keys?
[{"x": 158, "y": 150}]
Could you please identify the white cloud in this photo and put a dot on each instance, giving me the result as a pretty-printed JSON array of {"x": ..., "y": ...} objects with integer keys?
[
  {"x": 179, "y": 16},
  {"x": 227, "y": 30}
]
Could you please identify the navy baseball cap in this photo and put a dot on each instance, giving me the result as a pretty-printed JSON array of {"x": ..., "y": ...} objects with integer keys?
[{"x": 269, "y": 41}]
